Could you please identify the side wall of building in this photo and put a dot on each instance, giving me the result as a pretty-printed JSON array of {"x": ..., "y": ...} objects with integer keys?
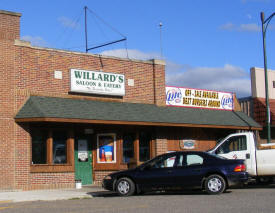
[{"x": 9, "y": 31}]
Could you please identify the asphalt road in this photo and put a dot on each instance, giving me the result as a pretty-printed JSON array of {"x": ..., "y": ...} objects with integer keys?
[{"x": 250, "y": 199}]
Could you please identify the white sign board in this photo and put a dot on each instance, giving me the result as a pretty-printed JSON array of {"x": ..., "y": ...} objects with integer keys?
[
  {"x": 198, "y": 98},
  {"x": 82, "y": 150},
  {"x": 85, "y": 81}
]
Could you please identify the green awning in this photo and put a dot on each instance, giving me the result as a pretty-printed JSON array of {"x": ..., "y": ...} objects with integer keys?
[{"x": 55, "y": 109}]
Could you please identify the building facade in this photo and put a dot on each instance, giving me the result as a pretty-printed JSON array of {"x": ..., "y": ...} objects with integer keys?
[
  {"x": 255, "y": 106},
  {"x": 66, "y": 115}
]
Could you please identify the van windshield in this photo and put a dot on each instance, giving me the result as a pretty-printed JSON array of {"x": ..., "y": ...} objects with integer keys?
[{"x": 217, "y": 142}]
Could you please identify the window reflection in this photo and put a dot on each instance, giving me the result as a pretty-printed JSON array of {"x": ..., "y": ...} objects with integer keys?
[
  {"x": 128, "y": 147},
  {"x": 39, "y": 153},
  {"x": 144, "y": 146},
  {"x": 59, "y": 147}
]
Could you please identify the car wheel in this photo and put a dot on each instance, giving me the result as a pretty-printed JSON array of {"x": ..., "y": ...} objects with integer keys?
[
  {"x": 125, "y": 187},
  {"x": 215, "y": 184}
]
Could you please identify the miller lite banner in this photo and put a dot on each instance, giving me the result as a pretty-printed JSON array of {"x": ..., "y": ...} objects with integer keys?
[{"x": 198, "y": 98}]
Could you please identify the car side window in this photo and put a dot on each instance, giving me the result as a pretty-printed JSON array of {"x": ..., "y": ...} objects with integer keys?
[
  {"x": 193, "y": 159},
  {"x": 180, "y": 161},
  {"x": 164, "y": 162},
  {"x": 236, "y": 143}
]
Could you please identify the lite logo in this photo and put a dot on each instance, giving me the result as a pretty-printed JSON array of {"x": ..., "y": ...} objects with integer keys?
[
  {"x": 173, "y": 96},
  {"x": 227, "y": 102}
]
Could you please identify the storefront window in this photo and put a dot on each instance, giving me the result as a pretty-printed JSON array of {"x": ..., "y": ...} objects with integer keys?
[
  {"x": 144, "y": 146},
  {"x": 106, "y": 151},
  {"x": 128, "y": 147},
  {"x": 59, "y": 147},
  {"x": 39, "y": 148}
]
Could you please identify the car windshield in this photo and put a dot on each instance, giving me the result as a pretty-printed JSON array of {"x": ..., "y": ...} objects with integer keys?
[{"x": 145, "y": 163}]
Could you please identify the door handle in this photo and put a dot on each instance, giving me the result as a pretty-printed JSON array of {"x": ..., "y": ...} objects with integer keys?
[
  {"x": 169, "y": 171},
  {"x": 247, "y": 156}
]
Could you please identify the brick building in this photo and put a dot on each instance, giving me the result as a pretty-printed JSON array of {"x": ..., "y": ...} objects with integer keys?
[
  {"x": 255, "y": 106},
  {"x": 69, "y": 115}
]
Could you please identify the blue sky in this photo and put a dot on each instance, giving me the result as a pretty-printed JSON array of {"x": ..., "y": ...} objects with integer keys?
[{"x": 206, "y": 44}]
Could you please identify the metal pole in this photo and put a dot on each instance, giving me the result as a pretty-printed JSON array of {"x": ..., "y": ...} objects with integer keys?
[
  {"x": 160, "y": 25},
  {"x": 266, "y": 81},
  {"x": 86, "y": 33}
]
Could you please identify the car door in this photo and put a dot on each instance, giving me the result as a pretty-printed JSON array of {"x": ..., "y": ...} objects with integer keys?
[
  {"x": 190, "y": 169},
  {"x": 158, "y": 173},
  {"x": 236, "y": 147}
]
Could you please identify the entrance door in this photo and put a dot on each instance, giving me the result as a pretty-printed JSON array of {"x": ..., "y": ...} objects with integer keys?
[{"x": 83, "y": 160}]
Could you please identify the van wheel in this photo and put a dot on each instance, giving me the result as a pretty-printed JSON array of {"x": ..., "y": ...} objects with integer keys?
[
  {"x": 125, "y": 187},
  {"x": 264, "y": 180},
  {"x": 215, "y": 184}
]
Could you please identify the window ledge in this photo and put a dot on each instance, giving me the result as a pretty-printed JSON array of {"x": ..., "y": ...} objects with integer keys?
[{"x": 51, "y": 168}]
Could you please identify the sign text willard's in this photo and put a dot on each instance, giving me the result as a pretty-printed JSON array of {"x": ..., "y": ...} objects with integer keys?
[{"x": 96, "y": 82}]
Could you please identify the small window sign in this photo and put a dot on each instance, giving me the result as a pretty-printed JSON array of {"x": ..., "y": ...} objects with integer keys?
[
  {"x": 58, "y": 74},
  {"x": 187, "y": 144},
  {"x": 131, "y": 82}
]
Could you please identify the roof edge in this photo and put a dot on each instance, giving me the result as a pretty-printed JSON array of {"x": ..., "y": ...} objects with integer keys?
[
  {"x": 10, "y": 13},
  {"x": 23, "y": 43},
  {"x": 138, "y": 123}
]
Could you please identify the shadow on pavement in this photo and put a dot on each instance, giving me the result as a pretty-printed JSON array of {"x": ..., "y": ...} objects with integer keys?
[{"x": 157, "y": 193}]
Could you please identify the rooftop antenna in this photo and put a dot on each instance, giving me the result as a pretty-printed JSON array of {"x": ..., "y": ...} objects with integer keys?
[
  {"x": 102, "y": 45},
  {"x": 160, "y": 26},
  {"x": 86, "y": 33}
]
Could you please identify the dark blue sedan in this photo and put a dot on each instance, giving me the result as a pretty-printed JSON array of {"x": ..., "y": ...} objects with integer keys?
[{"x": 179, "y": 170}]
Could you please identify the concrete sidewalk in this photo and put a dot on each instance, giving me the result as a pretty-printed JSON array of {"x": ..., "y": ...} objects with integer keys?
[{"x": 46, "y": 195}]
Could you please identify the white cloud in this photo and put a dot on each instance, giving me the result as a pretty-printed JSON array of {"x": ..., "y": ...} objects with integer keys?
[
  {"x": 67, "y": 22},
  {"x": 35, "y": 40},
  {"x": 132, "y": 54},
  {"x": 241, "y": 28},
  {"x": 249, "y": 16},
  {"x": 249, "y": 28},
  {"x": 228, "y": 26},
  {"x": 228, "y": 78}
]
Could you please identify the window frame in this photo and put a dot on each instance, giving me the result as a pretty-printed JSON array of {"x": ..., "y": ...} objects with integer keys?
[
  {"x": 231, "y": 142},
  {"x": 50, "y": 166},
  {"x": 114, "y": 148}
]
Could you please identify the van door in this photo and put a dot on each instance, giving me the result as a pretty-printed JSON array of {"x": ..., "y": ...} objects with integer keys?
[{"x": 237, "y": 147}]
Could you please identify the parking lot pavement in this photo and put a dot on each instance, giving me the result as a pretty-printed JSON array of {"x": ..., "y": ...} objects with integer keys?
[{"x": 47, "y": 195}]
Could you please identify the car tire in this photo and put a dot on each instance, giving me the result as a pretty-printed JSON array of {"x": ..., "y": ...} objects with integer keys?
[
  {"x": 125, "y": 187},
  {"x": 215, "y": 184}
]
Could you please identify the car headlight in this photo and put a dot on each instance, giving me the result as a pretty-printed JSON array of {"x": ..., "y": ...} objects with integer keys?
[{"x": 108, "y": 177}]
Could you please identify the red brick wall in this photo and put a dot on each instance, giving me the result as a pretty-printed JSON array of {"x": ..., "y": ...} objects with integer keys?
[
  {"x": 26, "y": 71},
  {"x": 99, "y": 175},
  {"x": 50, "y": 181},
  {"x": 9, "y": 30},
  {"x": 161, "y": 141},
  {"x": 35, "y": 73},
  {"x": 259, "y": 110}
]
